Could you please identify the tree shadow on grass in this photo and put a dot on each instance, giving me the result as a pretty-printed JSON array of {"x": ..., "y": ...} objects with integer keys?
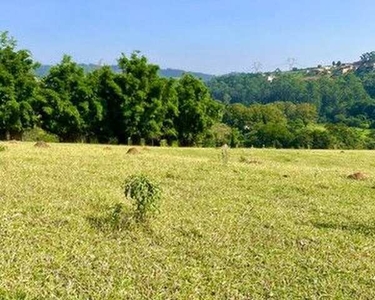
[
  {"x": 366, "y": 229},
  {"x": 117, "y": 218}
]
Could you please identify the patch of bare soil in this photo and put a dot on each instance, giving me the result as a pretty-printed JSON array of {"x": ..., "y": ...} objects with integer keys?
[
  {"x": 358, "y": 176},
  {"x": 133, "y": 151},
  {"x": 41, "y": 144}
]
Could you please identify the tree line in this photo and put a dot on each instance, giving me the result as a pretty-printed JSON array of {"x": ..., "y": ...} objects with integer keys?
[
  {"x": 102, "y": 106},
  {"x": 289, "y": 125},
  {"x": 136, "y": 105}
]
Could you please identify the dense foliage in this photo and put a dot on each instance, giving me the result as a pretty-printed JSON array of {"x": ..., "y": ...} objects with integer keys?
[
  {"x": 347, "y": 98},
  {"x": 297, "y": 109},
  {"x": 134, "y": 104},
  {"x": 17, "y": 88},
  {"x": 128, "y": 106}
]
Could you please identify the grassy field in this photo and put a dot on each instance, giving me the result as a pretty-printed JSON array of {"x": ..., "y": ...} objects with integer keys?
[{"x": 282, "y": 224}]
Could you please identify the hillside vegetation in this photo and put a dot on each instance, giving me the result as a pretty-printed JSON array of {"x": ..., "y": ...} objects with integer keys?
[
  {"x": 341, "y": 96},
  {"x": 283, "y": 224}
]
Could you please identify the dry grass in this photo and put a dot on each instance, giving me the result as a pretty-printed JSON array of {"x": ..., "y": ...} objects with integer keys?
[
  {"x": 133, "y": 151},
  {"x": 41, "y": 144},
  {"x": 224, "y": 231}
]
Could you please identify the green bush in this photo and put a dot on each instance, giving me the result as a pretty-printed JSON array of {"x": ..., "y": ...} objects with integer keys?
[
  {"x": 221, "y": 134},
  {"x": 37, "y": 134},
  {"x": 163, "y": 143},
  {"x": 144, "y": 193},
  {"x": 174, "y": 144},
  {"x": 3, "y": 148}
]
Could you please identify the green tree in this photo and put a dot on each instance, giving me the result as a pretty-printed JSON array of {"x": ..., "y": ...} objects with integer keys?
[
  {"x": 368, "y": 81},
  {"x": 17, "y": 88},
  {"x": 170, "y": 110},
  {"x": 75, "y": 108},
  {"x": 142, "y": 90},
  {"x": 218, "y": 135},
  {"x": 270, "y": 135},
  {"x": 111, "y": 99},
  {"x": 197, "y": 110},
  {"x": 345, "y": 137},
  {"x": 59, "y": 116}
]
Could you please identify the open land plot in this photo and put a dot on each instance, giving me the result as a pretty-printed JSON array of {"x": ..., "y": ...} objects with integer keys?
[{"x": 286, "y": 224}]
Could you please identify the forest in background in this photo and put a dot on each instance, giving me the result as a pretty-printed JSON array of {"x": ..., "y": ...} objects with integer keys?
[{"x": 137, "y": 105}]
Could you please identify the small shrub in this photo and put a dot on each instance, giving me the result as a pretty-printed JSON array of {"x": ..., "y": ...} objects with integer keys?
[
  {"x": 143, "y": 142},
  {"x": 37, "y": 134},
  {"x": 113, "y": 141},
  {"x": 174, "y": 144},
  {"x": 163, "y": 143},
  {"x": 144, "y": 193},
  {"x": 245, "y": 160},
  {"x": 3, "y": 148}
]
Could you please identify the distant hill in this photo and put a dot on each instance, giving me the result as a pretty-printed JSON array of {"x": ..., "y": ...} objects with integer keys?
[
  {"x": 168, "y": 73},
  {"x": 175, "y": 73}
]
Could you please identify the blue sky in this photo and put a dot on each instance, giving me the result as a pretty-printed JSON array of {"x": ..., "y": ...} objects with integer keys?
[{"x": 213, "y": 36}]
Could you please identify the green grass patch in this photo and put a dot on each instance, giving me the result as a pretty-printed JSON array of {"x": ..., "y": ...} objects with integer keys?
[{"x": 291, "y": 227}]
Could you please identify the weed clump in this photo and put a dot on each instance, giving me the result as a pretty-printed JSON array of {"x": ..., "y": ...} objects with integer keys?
[
  {"x": 3, "y": 148},
  {"x": 144, "y": 193},
  {"x": 245, "y": 160},
  {"x": 38, "y": 134}
]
